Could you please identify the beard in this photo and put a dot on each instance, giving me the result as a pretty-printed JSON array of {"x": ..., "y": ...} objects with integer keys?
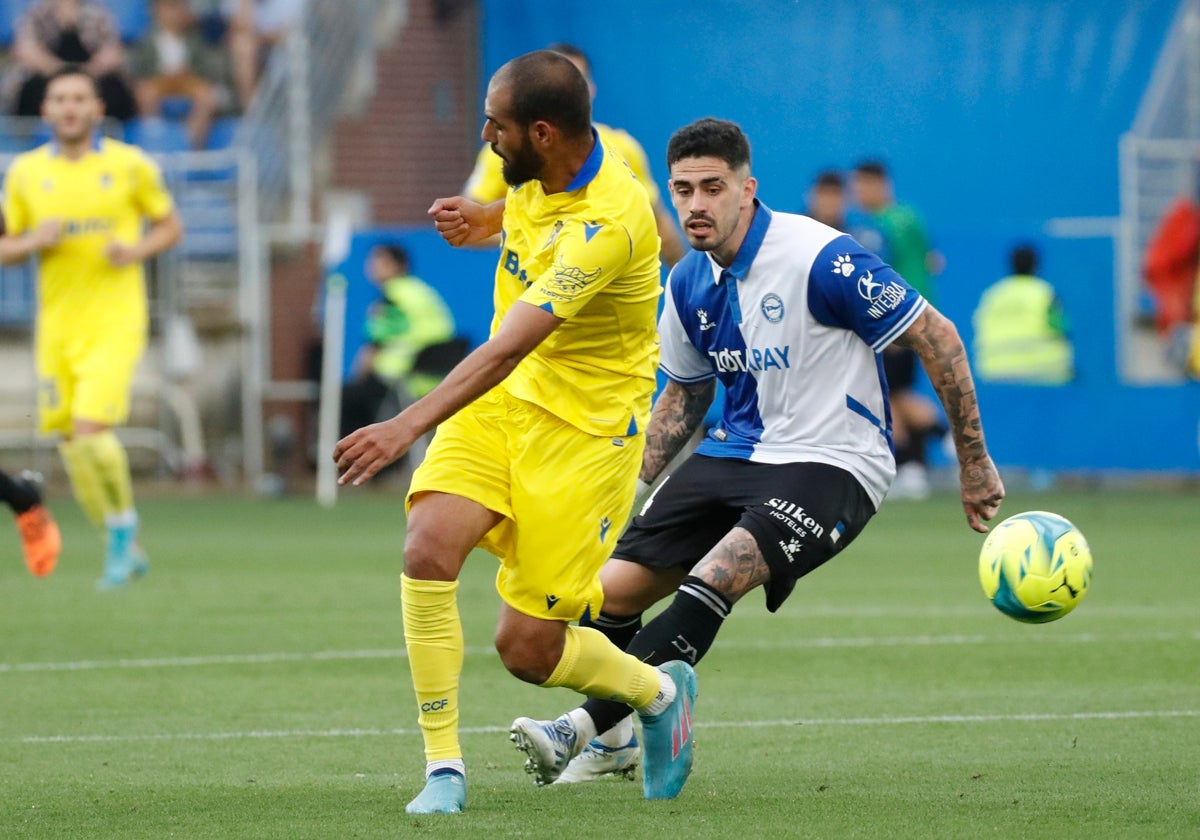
[{"x": 525, "y": 165}]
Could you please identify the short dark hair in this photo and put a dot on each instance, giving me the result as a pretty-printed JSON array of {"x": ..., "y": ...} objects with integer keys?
[
  {"x": 396, "y": 253},
  {"x": 571, "y": 51},
  {"x": 710, "y": 137},
  {"x": 872, "y": 166},
  {"x": 545, "y": 85},
  {"x": 73, "y": 70},
  {"x": 1024, "y": 259},
  {"x": 829, "y": 178}
]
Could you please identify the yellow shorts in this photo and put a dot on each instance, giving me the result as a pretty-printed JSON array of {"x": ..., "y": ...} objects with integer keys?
[
  {"x": 565, "y": 496},
  {"x": 85, "y": 375}
]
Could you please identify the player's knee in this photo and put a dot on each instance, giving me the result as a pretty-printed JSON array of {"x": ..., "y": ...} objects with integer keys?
[
  {"x": 526, "y": 658},
  {"x": 426, "y": 558}
]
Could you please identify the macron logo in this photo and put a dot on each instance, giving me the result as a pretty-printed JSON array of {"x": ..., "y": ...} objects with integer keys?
[
  {"x": 589, "y": 231},
  {"x": 551, "y": 600},
  {"x": 605, "y": 524}
]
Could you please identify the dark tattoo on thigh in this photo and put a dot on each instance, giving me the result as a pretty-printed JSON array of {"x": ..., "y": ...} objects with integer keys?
[{"x": 735, "y": 566}]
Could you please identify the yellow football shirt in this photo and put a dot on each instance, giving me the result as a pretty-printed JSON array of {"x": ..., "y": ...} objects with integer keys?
[
  {"x": 590, "y": 256},
  {"x": 104, "y": 196},
  {"x": 486, "y": 182}
]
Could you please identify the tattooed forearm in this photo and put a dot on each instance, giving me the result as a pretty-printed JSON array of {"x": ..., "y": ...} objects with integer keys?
[
  {"x": 934, "y": 338},
  {"x": 677, "y": 414},
  {"x": 944, "y": 358}
]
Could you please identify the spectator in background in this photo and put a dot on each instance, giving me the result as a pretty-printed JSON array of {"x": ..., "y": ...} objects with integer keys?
[
  {"x": 905, "y": 246},
  {"x": 253, "y": 29},
  {"x": 1020, "y": 328},
  {"x": 409, "y": 318},
  {"x": 1170, "y": 266},
  {"x": 486, "y": 183},
  {"x": 55, "y": 33},
  {"x": 827, "y": 199},
  {"x": 173, "y": 60}
]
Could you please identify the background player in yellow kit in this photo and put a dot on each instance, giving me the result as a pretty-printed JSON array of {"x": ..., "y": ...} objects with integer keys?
[
  {"x": 537, "y": 459},
  {"x": 486, "y": 182},
  {"x": 81, "y": 204}
]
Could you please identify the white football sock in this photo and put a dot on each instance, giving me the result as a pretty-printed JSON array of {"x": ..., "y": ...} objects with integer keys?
[
  {"x": 455, "y": 764},
  {"x": 666, "y": 695}
]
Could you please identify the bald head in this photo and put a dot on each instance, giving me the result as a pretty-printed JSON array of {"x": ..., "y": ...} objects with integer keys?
[{"x": 547, "y": 86}]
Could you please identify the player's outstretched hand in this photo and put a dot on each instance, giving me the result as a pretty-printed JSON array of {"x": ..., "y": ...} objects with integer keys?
[
  {"x": 461, "y": 221},
  {"x": 982, "y": 492},
  {"x": 363, "y": 453}
]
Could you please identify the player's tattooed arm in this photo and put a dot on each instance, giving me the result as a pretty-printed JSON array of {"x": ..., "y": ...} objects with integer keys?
[
  {"x": 676, "y": 416},
  {"x": 934, "y": 338}
]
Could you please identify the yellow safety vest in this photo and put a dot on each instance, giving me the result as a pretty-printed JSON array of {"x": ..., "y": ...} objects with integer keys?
[{"x": 1014, "y": 340}]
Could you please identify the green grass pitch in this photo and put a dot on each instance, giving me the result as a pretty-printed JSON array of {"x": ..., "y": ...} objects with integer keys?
[{"x": 254, "y": 685}]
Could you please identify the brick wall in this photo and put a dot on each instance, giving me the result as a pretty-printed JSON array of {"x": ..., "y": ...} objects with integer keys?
[{"x": 416, "y": 140}]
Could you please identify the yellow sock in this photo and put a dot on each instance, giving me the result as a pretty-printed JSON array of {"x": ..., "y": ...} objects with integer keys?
[
  {"x": 594, "y": 666},
  {"x": 85, "y": 478},
  {"x": 434, "y": 638},
  {"x": 111, "y": 466}
]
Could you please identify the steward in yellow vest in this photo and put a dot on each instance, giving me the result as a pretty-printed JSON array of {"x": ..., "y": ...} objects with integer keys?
[{"x": 1020, "y": 329}]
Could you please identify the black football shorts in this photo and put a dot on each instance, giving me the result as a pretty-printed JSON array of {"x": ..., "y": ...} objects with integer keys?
[{"x": 800, "y": 514}]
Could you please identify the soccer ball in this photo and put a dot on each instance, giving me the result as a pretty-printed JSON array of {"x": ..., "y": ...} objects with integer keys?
[{"x": 1035, "y": 566}]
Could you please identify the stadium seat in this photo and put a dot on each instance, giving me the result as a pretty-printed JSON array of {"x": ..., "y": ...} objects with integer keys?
[
  {"x": 11, "y": 144},
  {"x": 222, "y": 133},
  {"x": 157, "y": 135},
  {"x": 174, "y": 107}
]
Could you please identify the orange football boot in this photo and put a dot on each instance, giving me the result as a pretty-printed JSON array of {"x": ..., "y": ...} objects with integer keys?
[{"x": 40, "y": 539}]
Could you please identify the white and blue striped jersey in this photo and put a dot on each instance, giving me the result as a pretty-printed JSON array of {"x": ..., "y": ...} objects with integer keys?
[{"x": 793, "y": 329}]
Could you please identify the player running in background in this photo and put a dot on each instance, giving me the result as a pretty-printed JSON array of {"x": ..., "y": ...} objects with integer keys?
[
  {"x": 486, "y": 182},
  {"x": 40, "y": 538},
  {"x": 561, "y": 390},
  {"x": 81, "y": 204},
  {"x": 791, "y": 316},
  {"x": 904, "y": 245}
]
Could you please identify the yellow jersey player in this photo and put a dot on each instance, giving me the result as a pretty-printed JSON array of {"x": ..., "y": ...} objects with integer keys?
[
  {"x": 81, "y": 204},
  {"x": 541, "y": 436},
  {"x": 486, "y": 182}
]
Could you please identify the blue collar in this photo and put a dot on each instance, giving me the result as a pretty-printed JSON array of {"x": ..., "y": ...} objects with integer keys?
[
  {"x": 55, "y": 148},
  {"x": 590, "y": 166},
  {"x": 750, "y": 245}
]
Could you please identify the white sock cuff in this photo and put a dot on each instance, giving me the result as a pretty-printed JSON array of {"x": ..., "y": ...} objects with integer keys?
[
  {"x": 455, "y": 764},
  {"x": 666, "y": 694},
  {"x": 585, "y": 727}
]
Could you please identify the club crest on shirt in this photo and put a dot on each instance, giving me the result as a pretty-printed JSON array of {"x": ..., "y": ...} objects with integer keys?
[
  {"x": 569, "y": 280},
  {"x": 772, "y": 307}
]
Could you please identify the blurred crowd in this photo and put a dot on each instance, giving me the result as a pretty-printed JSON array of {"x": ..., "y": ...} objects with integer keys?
[{"x": 187, "y": 61}]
